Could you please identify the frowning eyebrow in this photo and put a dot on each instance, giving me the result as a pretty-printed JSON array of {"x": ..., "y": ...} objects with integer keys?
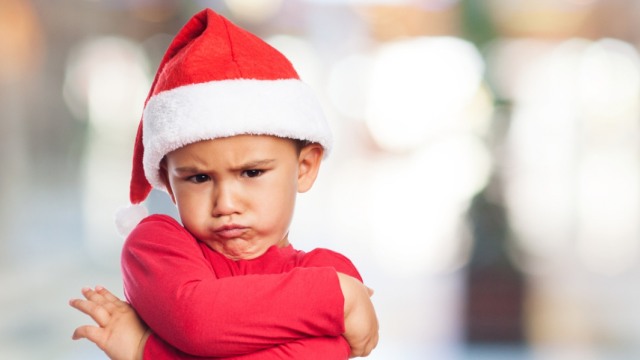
[
  {"x": 187, "y": 170},
  {"x": 254, "y": 164},
  {"x": 248, "y": 165}
]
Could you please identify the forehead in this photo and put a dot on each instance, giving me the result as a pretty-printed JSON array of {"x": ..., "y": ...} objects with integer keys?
[{"x": 236, "y": 146}]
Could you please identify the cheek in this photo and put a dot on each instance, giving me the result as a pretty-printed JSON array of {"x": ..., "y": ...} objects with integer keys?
[
  {"x": 189, "y": 203},
  {"x": 277, "y": 201}
]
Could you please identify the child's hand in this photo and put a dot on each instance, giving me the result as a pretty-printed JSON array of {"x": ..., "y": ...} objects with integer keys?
[
  {"x": 120, "y": 334},
  {"x": 360, "y": 322}
]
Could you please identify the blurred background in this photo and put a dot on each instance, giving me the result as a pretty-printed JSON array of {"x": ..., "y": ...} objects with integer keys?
[{"x": 485, "y": 177}]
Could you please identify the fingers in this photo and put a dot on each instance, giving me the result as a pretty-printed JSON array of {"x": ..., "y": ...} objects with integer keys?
[
  {"x": 370, "y": 291},
  {"x": 114, "y": 319},
  {"x": 95, "y": 295},
  {"x": 97, "y": 312},
  {"x": 107, "y": 299},
  {"x": 91, "y": 333},
  {"x": 107, "y": 295},
  {"x": 99, "y": 304}
]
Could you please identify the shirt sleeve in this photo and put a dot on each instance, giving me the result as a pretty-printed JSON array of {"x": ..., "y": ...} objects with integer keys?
[
  {"x": 317, "y": 348},
  {"x": 325, "y": 257},
  {"x": 173, "y": 288}
]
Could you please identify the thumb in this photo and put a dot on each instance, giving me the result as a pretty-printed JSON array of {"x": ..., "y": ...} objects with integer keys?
[
  {"x": 370, "y": 291},
  {"x": 91, "y": 333}
]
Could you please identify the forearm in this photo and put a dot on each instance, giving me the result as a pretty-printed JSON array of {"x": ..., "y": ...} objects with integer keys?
[
  {"x": 360, "y": 321},
  {"x": 245, "y": 314},
  {"x": 174, "y": 290},
  {"x": 319, "y": 348}
]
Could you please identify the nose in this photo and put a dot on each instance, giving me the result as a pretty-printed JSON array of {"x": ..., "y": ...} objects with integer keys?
[{"x": 225, "y": 200}]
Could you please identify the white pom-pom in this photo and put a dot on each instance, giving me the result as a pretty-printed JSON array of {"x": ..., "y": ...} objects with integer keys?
[{"x": 128, "y": 217}]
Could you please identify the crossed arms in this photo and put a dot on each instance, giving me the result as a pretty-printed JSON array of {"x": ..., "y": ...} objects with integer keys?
[{"x": 319, "y": 308}]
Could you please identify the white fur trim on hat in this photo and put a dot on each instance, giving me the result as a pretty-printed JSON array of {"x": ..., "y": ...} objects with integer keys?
[
  {"x": 128, "y": 217},
  {"x": 187, "y": 114}
]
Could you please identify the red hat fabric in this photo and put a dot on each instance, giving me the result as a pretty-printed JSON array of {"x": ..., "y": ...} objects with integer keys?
[{"x": 218, "y": 80}]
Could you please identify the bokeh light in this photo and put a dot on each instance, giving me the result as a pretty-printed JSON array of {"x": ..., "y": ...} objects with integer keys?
[
  {"x": 348, "y": 84},
  {"x": 106, "y": 83},
  {"x": 253, "y": 11},
  {"x": 419, "y": 89},
  {"x": 302, "y": 54},
  {"x": 574, "y": 139},
  {"x": 416, "y": 206}
]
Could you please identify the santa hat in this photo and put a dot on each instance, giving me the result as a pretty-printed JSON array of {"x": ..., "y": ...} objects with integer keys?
[{"x": 218, "y": 80}]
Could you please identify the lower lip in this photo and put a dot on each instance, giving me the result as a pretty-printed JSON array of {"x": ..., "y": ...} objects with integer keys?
[{"x": 231, "y": 233}]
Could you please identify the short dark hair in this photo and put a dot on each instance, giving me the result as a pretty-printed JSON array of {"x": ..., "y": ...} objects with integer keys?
[{"x": 300, "y": 144}]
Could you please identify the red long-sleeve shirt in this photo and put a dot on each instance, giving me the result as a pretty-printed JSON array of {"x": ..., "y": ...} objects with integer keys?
[{"x": 284, "y": 304}]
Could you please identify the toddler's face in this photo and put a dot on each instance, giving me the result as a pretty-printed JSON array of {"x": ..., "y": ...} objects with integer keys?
[{"x": 237, "y": 194}]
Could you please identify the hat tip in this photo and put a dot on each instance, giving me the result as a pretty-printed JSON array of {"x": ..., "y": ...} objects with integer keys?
[{"x": 128, "y": 217}]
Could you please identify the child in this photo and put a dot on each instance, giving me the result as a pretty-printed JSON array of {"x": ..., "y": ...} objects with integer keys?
[{"x": 232, "y": 134}]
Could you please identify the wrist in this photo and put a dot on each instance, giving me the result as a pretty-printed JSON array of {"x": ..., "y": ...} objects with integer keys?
[{"x": 142, "y": 344}]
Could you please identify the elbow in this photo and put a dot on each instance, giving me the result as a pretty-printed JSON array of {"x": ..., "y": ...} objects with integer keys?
[{"x": 365, "y": 346}]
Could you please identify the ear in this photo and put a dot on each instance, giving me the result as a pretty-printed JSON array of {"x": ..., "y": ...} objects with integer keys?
[
  {"x": 164, "y": 177},
  {"x": 309, "y": 165}
]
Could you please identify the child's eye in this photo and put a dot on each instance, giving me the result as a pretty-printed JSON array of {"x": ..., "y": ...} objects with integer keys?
[
  {"x": 200, "y": 178},
  {"x": 252, "y": 173}
]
